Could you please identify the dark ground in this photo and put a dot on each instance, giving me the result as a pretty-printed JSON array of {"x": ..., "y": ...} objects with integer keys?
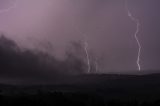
[{"x": 87, "y": 90}]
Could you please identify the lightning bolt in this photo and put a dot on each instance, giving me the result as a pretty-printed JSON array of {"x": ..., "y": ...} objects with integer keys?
[
  {"x": 96, "y": 64},
  {"x": 87, "y": 54},
  {"x": 136, "y": 33},
  {"x": 86, "y": 45},
  {"x": 14, "y": 2}
]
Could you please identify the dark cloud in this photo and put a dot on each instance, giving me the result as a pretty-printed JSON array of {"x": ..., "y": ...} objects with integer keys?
[
  {"x": 16, "y": 63},
  {"x": 110, "y": 32}
]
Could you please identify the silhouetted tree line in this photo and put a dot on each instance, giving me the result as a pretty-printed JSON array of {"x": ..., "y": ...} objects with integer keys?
[{"x": 68, "y": 99}]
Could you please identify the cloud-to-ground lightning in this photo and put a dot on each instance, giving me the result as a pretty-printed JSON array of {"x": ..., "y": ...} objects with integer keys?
[
  {"x": 87, "y": 54},
  {"x": 136, "y": 33},
  {"x": 96, "y": 64},
  {"x": 85, "y": 44},
  {"x": 14, "y": 5}
]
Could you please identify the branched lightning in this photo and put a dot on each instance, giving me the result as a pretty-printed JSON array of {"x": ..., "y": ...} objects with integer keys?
[
  {"x": 136, "y": 33},
  {"x": 14, "y": 5}
]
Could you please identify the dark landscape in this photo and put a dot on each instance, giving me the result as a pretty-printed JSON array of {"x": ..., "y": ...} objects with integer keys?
[
  {"x": 33, "y": 86},
  {"x": 79, "y": 53},
  {"x": 87, "y": 90}
]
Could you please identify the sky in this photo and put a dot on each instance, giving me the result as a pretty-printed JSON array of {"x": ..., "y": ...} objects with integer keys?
[{"x": 108, "y": 29}]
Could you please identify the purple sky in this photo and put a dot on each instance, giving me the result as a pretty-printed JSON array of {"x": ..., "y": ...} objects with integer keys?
[{"x": 110, "y": 32}]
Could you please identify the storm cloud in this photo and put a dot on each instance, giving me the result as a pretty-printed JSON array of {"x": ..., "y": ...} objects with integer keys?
[{"x": 108, "y": 29}]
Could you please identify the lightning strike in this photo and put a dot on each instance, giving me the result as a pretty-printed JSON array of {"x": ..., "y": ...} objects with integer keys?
[
  {"x": 96, "y": 65},
  {"x": 135, "y": 20},
  {"x": 87, "y": 54},
  {"x": 85, "y": 42},
  {"x": 14, "y": 5}
]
